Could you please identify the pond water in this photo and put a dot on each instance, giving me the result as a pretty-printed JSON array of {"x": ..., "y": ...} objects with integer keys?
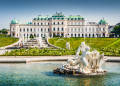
[{"x": 41, "y": 74}]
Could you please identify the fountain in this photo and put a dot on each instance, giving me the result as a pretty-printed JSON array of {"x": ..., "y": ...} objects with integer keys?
[
  {"x": 89, "y": 63},
  {"x": 40, "y": 39},
  {"x": 67, "y": 45}
]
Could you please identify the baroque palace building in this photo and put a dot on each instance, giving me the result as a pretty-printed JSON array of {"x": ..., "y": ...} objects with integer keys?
[{"x": 58, "y": 24}]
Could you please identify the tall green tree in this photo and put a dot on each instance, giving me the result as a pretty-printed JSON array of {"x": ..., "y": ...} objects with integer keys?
[
  {"x": 4, "y": 31},
  {"x": 116, "y": 30}
]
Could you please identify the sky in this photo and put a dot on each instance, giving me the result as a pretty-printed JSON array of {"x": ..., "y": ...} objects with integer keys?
[{"x": 91, "y": 10}]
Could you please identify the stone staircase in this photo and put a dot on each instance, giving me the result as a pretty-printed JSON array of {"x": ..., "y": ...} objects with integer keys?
[{"x": 32, "y": 43}]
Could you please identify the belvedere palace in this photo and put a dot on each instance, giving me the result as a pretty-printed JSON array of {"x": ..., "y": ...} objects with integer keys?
[{"x": 59, "y": 25}]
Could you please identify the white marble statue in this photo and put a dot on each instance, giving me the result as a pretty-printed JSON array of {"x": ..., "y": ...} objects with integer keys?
[
  {"x": 87, "y": 63},
  {"x": 67, "y": 45}
]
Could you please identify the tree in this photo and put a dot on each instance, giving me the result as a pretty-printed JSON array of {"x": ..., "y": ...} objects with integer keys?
[
  {"x": 0, "y": 31},
  {"x": 116, "y": 30},
  {"x": 4, "y": 31}
]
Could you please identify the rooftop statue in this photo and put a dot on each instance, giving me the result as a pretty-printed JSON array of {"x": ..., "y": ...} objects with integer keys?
[{"x": 89, "y": 63}]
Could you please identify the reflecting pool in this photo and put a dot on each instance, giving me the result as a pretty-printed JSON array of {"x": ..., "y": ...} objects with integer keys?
[{"x": 41, "y": 74}]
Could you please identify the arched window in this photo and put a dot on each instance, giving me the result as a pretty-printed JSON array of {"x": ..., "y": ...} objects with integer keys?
[
  {"x": 41, "y": 29},
  {"x": 71, "y": 35},
  {"x": 27, "y": 35},
  {"x": 58, "y": 29},
  {"x": 53, "y": 29},
  {"x": 48, "y": 29},
  {"x": 82, "y": 35},
  {"x": 62, "y": 23},
  {"x": 31, "y": 29},
  {"x": 24, "y": 29},
  {"x": 103, "y": 29},
  {"x": 89, "y": 35},
  {"x": 78, "y": 35},
  {"x": 20, "y": 30},
  {"x": 41, "y": 23},
  {"x": 58, "y": 23},
  {"x": 38, "y": 23},
  {"x": 75, "y": 35},
  {"x": 62, "y": 29},
  {"x": 34, "y": 23},
  {"x": 27, "y": 29},
  {"x": 54, "y": 23},
  {"x": 24, "y": 35}
]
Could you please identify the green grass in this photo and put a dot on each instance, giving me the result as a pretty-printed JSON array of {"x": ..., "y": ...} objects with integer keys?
[
  {"x": 94, "y": 43},
  {"x": 4, "y": 41},
  {"x": 108, "y": 46}
]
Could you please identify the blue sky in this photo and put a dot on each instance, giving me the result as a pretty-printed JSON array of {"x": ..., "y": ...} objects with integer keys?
[{"x": 91, "y": 10}]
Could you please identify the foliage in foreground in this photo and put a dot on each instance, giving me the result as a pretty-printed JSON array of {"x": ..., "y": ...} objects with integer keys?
[
  {"x": 40, "y": 52},
  {"x": 56, "y": 52}
]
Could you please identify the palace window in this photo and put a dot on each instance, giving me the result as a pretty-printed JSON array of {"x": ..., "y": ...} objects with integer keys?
[
  {"x": 58, "y": 23},
  {"x": 48, "y": 23},
  {"x": 24, "y": 29},
  {"x": 58, "y": 29},
  {"x": 41, "y": 23},
  {"x": 78, "y": 29},
  {"x": 71, "y": 35},
  {"x": 62, "y": 23},
  {"x": 38, "y": 23},
  {"x": 34, "y": 23},
  {"x": 62, "y": 29},
  {"x": 53, "y": 29},
  {"x": 27, "y": 29},
  {"x": 103, "y": 29},
  {"x": 20, "y": 30},
  {"x": 78, "y": 35},
  {"x": 48, "y": 29},
  {"x": 71, "y": 29},
  {"x": 54, "y": 23},
  {"x": 31, "y": 29},
  {"x": 75, "y": 29},
  {"x": 41, "y": 29}
]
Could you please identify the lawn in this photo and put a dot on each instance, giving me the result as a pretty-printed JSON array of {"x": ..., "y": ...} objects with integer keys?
[
  {"x": 108, "y": 46},
  {"x": 94, "y": 43},
  {"x": 4, "y": 41}
]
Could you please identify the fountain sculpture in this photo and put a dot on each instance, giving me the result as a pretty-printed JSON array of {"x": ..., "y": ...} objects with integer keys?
[
  {"x": 89, "y": 63},
  {"x": 67, "y": 45}
]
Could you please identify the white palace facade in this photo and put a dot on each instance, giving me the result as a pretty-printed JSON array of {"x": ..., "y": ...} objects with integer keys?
[{"x": 59, "y": 25}]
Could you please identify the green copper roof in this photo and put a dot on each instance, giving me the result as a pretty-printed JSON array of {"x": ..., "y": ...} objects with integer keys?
[
  {"x": 75, "y": 17},
  {"x": 42, "y": 18},
  {"x": 58, "y": 15},
  {"x": 29, "y": 23},
  {"x": 102, "y": 21},
  {"x": 14, "y": 21}
]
